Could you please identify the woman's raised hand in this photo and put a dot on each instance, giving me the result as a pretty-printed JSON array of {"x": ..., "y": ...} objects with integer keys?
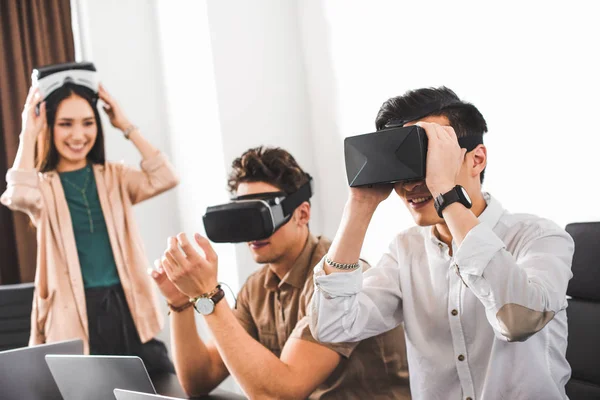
[
  {"x": 113, "y": 110},
  {"x": 32, "y": 123}
]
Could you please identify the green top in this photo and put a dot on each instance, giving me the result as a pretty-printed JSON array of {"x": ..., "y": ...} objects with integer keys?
[{"x": 95, "y": 253}]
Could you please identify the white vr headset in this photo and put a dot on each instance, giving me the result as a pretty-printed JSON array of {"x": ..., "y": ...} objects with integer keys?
[{"x": 52, "y": 77}]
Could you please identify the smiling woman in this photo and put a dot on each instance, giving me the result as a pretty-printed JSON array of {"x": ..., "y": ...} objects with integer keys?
[{"x": 91, "y": 280}]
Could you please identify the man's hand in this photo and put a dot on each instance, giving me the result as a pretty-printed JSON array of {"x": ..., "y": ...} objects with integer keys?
[
  {"x": 166, "y": 287},
  {"x": 192, "y": 273},
  {"x": 444, "y": 157},
  {"x": 370, "y": 196}
]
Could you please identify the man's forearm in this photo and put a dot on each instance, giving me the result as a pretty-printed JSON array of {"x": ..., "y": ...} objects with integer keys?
[
  {"x": 258, "y": 371},
  {"x": 197, "y": 369},
  {"x": 460, "y": 221},
  {"x": 348, "y": 241}
]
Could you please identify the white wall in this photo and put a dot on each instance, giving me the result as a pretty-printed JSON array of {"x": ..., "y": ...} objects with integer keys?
[
  {"x": 120, "y": 38},
  {"x": 261, "y": 88}
]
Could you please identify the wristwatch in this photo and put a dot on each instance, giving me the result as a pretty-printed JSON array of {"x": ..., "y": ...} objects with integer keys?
[
  {"x": 457, "y": 194},
  {"x": 205, "y": 304}
]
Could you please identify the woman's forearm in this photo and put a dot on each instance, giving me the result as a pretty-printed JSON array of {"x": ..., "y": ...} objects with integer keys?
[
  {"x": 145, "y": 148},
  {"x": 25, "y": 158}
]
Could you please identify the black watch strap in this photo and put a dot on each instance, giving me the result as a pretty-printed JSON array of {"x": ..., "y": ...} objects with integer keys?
[{"x": 453, "y": 196}]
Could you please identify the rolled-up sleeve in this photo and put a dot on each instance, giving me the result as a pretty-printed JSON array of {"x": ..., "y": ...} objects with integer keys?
[
  {"x": 352, "y": 306},
  {"x": 521, "y": 292},
  {"x": 23, "y": 193},
  {"x": 156, "y": 176}
]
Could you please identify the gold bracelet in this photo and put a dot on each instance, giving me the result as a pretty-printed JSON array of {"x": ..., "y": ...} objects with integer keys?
[{"x": 128, "y": 131}]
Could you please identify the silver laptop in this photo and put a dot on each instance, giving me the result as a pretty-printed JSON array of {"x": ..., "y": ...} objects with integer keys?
[
  {"x": 121, "y": 394},
  {"x": 96, "y": 377},
  {"x": 25, "y": 375}
]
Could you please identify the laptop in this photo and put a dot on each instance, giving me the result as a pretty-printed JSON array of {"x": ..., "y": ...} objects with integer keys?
[
  {"x": 96, "y": 377},
  {"x": 121, "y": 394},
  {"x": 25, "y": 375}
]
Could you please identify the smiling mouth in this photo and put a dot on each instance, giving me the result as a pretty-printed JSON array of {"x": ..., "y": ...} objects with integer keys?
[
  {"x": 76, "y": 147},
  {"x": 417, "y": 203},
  {"x": 258, "y": 245},
  {"x": 420, "y": 200}
]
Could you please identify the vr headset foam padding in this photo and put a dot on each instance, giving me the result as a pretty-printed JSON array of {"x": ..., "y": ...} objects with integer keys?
[
  {"x": 253, "y": 217},
  {"x": 51, "y": 77}
]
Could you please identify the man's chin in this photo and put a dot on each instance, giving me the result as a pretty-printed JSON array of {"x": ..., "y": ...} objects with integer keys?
[
  {"x": 425, "y": 220},
  {"x": 263, "y": 259}
]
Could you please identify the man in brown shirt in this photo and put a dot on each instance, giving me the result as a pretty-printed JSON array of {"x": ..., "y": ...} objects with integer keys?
[{"x": 265, "y": 342}]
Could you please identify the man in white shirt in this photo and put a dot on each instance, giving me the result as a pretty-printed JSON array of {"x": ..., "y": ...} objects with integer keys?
[{"x": 481, "y": 291}]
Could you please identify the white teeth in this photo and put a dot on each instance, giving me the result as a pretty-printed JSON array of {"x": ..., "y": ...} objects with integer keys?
[
  {"x": 420, "y": 200},
  {"x": 76, "y": 147}
]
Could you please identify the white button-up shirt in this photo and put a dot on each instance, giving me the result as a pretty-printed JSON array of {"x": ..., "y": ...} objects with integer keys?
[{"x": 487, "y": 324}]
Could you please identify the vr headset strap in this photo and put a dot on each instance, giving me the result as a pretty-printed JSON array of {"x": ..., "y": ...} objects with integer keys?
[
  {"x": 291, "y": 202},
  {"x": 470, "y": 142}
]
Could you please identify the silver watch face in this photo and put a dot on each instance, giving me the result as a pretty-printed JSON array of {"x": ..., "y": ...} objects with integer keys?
[
  {"x": 466, "y": 195},
  {"x": 205, "y": 306}
]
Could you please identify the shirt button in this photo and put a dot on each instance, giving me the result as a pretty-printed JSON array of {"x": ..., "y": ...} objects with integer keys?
[
  {"x": 461, "y": 358},
  {"x": 454, "y": 312},
  {"x": 468, "y": 398}
]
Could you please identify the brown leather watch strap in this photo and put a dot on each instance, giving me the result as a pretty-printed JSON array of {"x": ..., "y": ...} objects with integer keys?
[{"x": 217, "y": 297}]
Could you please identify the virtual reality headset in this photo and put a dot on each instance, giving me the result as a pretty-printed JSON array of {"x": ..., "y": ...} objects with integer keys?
[
  {"x": 52, "y": 77},
  {"x": 253, "y": 217},
  {"x": 393, "y": 154}
]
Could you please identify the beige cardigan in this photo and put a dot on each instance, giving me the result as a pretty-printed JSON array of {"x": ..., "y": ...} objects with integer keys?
[{"x": 59, "y": 310}]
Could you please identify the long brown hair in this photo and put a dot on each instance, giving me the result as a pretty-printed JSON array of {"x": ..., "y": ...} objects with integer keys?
[{"x": 47, "y": 155}]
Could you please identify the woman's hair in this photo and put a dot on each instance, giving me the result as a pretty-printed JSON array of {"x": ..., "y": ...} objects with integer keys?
[{"x": 47, "y": 155}]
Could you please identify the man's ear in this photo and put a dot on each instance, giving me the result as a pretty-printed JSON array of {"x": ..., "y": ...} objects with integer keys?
[
  {"x": 302, "y": 214},
  {"x": 477, "y": 160}
]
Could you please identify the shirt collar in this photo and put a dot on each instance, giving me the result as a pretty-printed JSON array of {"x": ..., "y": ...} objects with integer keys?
[
  {"x": 296, "y": 276},
  {"x": 489, "y": 217}
]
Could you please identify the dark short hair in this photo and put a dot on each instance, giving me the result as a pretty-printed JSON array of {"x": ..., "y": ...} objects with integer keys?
[
  {"x": 272, "y": 165},
  {"x": 47, "y": 157},
  {"x": 464, "y": 117}
]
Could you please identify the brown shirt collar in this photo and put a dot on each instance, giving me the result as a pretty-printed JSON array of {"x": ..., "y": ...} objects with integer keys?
[{"x": 296, "y": 276}]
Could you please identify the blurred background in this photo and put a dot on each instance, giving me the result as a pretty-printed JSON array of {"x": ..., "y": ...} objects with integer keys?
[{"x": 206, "y": 80}]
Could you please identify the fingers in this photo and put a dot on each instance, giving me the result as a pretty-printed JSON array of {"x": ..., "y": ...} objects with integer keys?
[
  {"x": 168, "y": 267},
  {"x": 104, "y": 96},
  {"x": 157, "y": 273},
  {"x": 33, "y": 93},
  {"x": 434, "y": 131},
  {"x": 186, "y": 246},
  {"x": 43, "y": 114},
  {"x": 450, "y": 133},
  {"x": 209, "y": 252}
]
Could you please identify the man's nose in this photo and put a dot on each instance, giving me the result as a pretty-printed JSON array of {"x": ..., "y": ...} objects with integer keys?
[{"x": 410, "y": 186}]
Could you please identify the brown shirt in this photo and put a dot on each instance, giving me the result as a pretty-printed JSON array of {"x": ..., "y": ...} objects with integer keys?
[{"x": 273, "y": 310}]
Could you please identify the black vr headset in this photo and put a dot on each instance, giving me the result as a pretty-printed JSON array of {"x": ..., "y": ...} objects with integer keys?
[
  {"x": 393, "y": 154},
  {"x": 253, "y": 217}
]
